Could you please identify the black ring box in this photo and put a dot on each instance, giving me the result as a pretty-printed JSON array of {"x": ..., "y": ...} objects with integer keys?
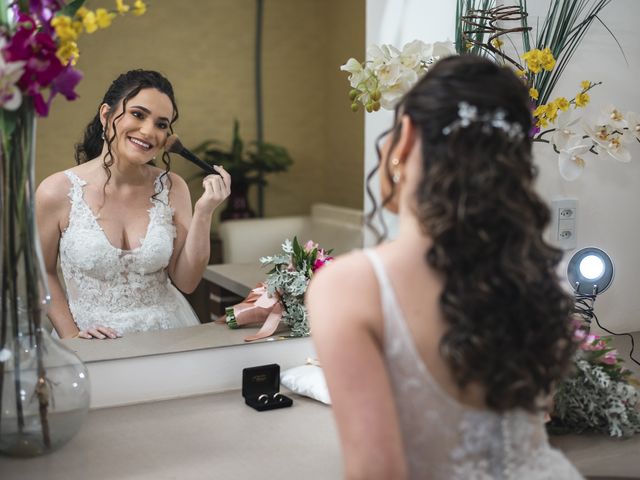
[{"x": 263, "y": 380}]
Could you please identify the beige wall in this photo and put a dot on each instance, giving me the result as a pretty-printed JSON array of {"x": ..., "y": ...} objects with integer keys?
[{"x": 206, "y": 49}]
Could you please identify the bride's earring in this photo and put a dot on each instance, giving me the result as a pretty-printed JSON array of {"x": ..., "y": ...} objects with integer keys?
[{"x": 396, "y": 170}]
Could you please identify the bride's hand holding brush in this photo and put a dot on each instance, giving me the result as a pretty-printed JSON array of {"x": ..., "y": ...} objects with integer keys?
[{"x": 217, "y": 188}]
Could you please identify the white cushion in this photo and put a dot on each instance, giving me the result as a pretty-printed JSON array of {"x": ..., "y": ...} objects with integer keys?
[{"x": 306, "y": 380}]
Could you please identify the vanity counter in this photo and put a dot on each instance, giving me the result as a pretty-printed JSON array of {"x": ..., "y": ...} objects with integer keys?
[
  {"x": 218, "y": 437},
  {"x": 204, "y": 437}
]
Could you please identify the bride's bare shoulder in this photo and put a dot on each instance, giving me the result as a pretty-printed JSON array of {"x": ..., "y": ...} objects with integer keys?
[
  {"x": 348, "y": 284},
  {"x": 53, "y": 189}
]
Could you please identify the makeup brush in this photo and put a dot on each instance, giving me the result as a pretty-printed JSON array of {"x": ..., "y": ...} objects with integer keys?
[{"x": 174, "y": 145}]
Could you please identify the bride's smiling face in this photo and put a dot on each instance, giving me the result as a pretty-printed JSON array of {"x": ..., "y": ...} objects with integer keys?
[{"x": 142, "y": 130}]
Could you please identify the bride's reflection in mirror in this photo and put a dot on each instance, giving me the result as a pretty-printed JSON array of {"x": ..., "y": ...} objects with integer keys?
[
  {"x": 123, "y": 228},
  {"x": 207, "y": 50}
]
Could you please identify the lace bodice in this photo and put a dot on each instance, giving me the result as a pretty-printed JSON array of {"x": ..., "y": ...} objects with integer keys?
[
  {"x": 444, "y": 439},
  {"x": 128, "y": 290}
]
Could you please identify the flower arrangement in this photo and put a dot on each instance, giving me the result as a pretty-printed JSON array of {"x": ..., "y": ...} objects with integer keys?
[
  {"x": 389, "y": 73},
  {"x": 288, "y": 280},
  {"x": 600, "y": 395},
  {"x": 482, "y": 28},
  {"x": 38, "y": 56},
  {"x": 39, "y": 49}
]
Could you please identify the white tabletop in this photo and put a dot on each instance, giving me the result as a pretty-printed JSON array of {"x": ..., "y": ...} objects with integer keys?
[
  {"x": 238, "y": 278},
  {"x": 219, "y": 437}
]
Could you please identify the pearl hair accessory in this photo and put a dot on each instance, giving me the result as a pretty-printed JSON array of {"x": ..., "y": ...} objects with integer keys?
[{"x": 496, "y": 120}]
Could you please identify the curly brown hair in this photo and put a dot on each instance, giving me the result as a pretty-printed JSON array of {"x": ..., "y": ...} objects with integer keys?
[{"x": 507, "y": 314}]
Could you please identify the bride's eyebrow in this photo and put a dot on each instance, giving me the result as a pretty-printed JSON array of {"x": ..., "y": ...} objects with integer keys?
[{"x": 148, "y": 112}]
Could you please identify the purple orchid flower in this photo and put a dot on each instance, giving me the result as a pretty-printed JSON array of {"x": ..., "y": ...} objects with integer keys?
[{"x": 42, "y": 67}]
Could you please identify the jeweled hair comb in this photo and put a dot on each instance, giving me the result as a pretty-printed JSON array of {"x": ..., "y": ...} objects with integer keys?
[{"x": 490, "y": 121}]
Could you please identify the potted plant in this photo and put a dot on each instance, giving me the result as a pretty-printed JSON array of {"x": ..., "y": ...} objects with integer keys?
[{"x": 246, "y": 167}]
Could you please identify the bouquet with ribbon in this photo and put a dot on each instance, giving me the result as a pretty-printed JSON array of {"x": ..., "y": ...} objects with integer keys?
[{"x": 281, "y": 297}]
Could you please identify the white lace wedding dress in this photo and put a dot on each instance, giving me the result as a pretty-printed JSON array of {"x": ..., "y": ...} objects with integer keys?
[
  {"x": 444, "y": 439},
  {"x": 127, "y": 290}
]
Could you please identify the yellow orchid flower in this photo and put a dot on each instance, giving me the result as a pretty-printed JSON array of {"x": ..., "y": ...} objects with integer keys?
[
  {"x": 63, "y": 27},
  {"x": 82, "y": 12},
  {"x": 520, "y": 73},
  {"x": 546, "y": 59},
  {"x": 68, "y": 53},
  {"x": 77, "y": 26},
  {"x": 533, "y": 93},
  {"x": 582, "y": 99},
  {"x": 552, "y": 112},
  {"x": 497, "y": 43},
  {"x": 90, "y": 22},
  {"x": 562, "y": 103},
  {"x": 121, "y": 7},
  {"x": 540, "y": 111},
  {"x": 533, "y": 59},
  {"x": 103, "y": 18},
  {"x": 585, "y": 84},
  {"x": 139, "y": 7}
]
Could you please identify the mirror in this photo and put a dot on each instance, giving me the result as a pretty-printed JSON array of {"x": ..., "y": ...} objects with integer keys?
[{"x": 206, "y": 49}]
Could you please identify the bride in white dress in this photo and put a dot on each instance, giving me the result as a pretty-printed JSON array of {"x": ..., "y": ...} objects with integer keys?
[
  {"x": 442, "y": 346},
  {"x": 123, "y": 228}
]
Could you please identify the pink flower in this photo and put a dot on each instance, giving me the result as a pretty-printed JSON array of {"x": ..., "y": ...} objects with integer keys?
[
  {"x": 579, "y": 335},
  {"x": 310, "y": 245},
  {"x": 320, "y": 262},
  {"x": 610, "y": 358}
]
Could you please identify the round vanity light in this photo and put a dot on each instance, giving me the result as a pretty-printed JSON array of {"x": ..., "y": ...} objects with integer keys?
[
  {"x": 590, "y": 271},
  {"x": 592, "y": 267}
]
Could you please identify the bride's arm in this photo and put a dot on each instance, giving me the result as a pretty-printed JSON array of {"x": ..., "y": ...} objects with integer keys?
[
  {"x": 346, "y": 323},
  {"x": 192, "y": 243},
  {"x": 52, "y": 211}
]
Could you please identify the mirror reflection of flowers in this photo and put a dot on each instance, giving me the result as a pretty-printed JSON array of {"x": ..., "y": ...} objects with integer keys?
[
  {"x": 600, "y": 395},
  {"x": 289, "y": 278}
]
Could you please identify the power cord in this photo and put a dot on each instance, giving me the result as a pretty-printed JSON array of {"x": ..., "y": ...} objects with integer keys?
[{"x": 584, "y": 308}]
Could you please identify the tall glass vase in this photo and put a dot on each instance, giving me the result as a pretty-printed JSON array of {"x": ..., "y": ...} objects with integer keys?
[{"x": 44, "y": 386}]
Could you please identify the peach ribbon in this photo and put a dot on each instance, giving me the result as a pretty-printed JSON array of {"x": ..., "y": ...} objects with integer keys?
[{"x": 258, "y": 307}]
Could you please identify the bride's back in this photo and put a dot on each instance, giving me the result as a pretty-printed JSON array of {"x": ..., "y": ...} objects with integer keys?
[{"x": 441, "y": 347}]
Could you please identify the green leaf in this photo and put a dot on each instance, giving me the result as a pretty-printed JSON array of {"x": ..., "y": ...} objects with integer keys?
[{"x": 71, "y": 8}]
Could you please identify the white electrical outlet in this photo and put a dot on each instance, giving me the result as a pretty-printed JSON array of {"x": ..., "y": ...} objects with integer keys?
[{"x": 564, "y": 217}]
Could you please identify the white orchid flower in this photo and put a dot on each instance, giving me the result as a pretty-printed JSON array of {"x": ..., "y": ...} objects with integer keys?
[
  {"x": 610, "y": 115},
  {"x": 392, "y": 93},
  {"x": 378, "y": 55},
  {"x": 609, "y": 141},
  {"x": 601, "y": 134},
  {"x": 10, "y": 73},
  {"x": 564, "y": 130},
  {"x": 633, "y": 122},
  {"x": 356, "y": 71},
  {"x": 440, "y": 50},
  {"x": 617, "y": 147},
  {"x": 388, "y": 73},
  {"x": 413, "y": 54},
  {"x": 571, "y": 158}
]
